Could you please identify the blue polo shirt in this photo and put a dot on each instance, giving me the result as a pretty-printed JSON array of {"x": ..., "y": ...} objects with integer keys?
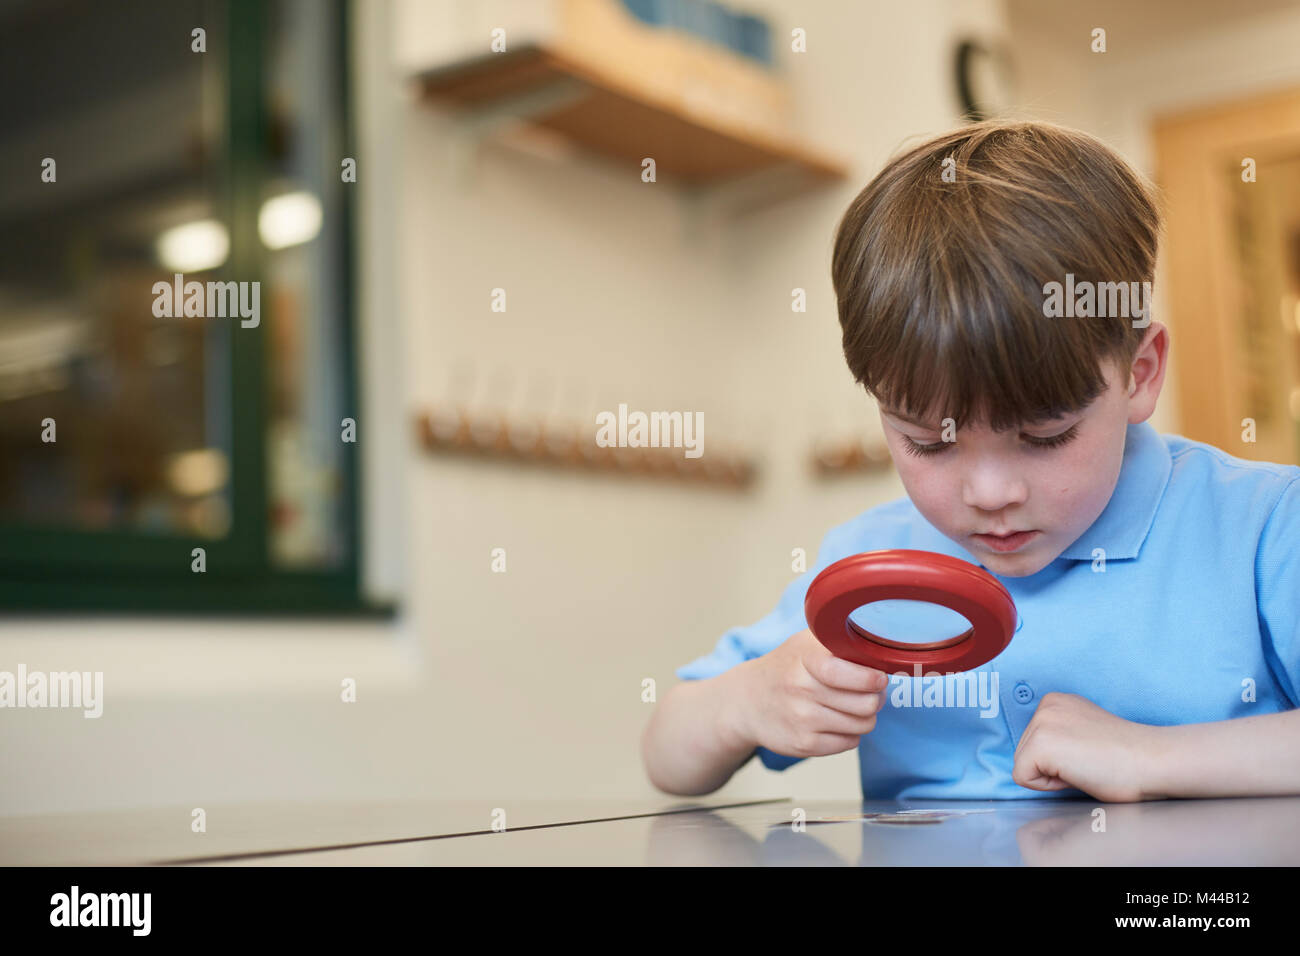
[{"x": 1179, "y": 605}]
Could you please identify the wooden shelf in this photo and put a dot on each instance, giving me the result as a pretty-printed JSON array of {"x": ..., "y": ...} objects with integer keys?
[
  {"x": 454, "y": 431},
  {"x": 851, "y": 456},
  {"x": 626, "y": 121}
]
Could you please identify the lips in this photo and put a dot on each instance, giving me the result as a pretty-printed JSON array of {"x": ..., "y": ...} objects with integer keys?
[{"x": 1012, "y": 541}]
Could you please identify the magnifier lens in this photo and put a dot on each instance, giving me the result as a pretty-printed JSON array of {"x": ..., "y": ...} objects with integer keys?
[{"x": 895, "y": 622}]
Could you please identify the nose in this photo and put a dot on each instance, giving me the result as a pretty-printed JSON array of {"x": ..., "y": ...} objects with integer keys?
[{"x": 992, "y": 486}]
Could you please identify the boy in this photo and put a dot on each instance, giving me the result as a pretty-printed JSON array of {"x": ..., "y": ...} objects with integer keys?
[{"x": 1157, "y": 579}]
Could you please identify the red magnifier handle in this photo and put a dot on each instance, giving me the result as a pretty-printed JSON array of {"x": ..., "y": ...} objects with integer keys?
[{"x": 901, "y": 574}]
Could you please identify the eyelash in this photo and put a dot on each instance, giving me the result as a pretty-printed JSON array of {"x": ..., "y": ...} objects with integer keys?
[{"x": 1056, "y": 441}]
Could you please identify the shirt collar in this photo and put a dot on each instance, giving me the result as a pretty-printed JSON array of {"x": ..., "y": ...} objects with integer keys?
[{"x": 1122, "y": 527}]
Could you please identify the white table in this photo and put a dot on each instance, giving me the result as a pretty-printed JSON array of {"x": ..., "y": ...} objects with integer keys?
[{"x": 1260, "y": 831}]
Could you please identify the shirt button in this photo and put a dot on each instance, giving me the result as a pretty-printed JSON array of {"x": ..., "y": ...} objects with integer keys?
[
  {"x": 1024, "y": 693},
  {"x": 1020, "y": 622}
]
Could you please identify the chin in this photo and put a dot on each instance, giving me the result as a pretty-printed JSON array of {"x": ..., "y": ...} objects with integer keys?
[{"x": 1016, "y": 565}]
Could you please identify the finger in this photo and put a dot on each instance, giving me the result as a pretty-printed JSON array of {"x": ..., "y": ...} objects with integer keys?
[
  {"x": 1044, "y": 782},
  {"x": 848, "y": 702},
  {"x": 835, "y": 722},
  {"x": 1030, "y": 771},
  {"x": 845, "y": 675},
  {"x": 828, "y": 743}
]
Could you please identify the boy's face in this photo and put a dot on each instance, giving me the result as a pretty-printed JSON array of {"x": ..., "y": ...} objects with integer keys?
[{"x": 1052, "y": 478}]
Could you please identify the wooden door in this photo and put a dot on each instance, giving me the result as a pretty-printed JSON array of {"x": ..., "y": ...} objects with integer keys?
[{"x": 1231, "y": 270}]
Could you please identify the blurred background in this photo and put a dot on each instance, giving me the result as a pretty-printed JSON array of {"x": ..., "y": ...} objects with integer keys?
[{"x": 462, "y": 259}]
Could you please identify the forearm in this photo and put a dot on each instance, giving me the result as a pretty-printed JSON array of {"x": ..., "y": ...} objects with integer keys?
[
  {"x": 692, "y": 744},
  {"x": 1247, "y": 756}
]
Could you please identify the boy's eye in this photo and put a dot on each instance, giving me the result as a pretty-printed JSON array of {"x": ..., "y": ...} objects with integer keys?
[
  {"x": 922, "y": 449},
  {"x": 1056, "y": 440},
  {"x": 919, "y": 449}
]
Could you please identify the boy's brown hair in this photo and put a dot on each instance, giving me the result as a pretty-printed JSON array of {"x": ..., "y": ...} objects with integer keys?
[{"x": 940, "y": 284}]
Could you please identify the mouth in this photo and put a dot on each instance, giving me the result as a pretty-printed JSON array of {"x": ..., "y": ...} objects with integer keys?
[{"x": 1006, "y": 543}]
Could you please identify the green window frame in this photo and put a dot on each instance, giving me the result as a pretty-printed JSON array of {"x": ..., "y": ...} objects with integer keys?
[{"x": 68, "y": 570}]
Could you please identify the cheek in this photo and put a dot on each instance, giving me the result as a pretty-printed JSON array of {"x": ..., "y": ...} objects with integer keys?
[
  {"x": 926, "y": 485},
  {"x": 1083, "y": 479}
]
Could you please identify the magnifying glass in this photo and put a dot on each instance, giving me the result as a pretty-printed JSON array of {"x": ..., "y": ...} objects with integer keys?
[{"x": 906, "y": 575}]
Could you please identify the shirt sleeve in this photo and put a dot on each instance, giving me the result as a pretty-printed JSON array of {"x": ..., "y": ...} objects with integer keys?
[
  {"x": 1277, "y": 582},
  {"x": 741, "y": 644}
]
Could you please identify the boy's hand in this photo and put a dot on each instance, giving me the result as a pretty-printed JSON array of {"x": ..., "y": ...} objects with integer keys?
[
  {"x": 1071, "y": 742},
  {"x": 801, "y": 700}
]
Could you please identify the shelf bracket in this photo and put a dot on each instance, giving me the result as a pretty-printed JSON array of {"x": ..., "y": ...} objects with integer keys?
[{"x": 479, "y": 123}]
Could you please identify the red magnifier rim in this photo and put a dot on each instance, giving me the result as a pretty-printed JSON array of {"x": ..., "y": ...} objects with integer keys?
[{"x": 902, "y": 574}]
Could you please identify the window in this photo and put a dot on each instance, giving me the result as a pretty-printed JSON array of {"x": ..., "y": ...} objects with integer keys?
[{"x": 176, "y": 455}]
